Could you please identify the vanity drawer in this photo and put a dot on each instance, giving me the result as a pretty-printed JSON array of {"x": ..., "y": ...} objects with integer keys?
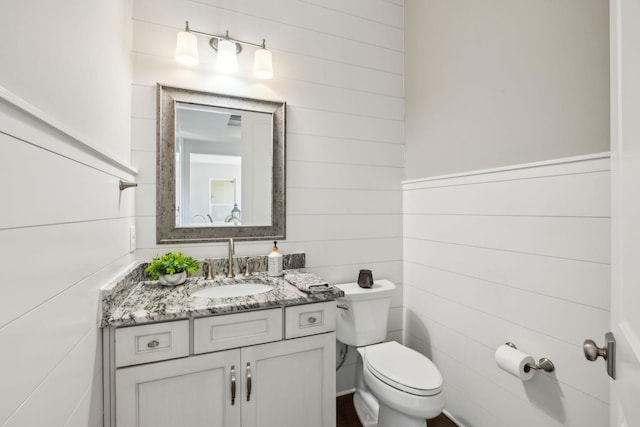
[
  {"x": 310, "y": 319},
  {"x": 236, "y": 330},
  {"x": 153, "y": 342}
]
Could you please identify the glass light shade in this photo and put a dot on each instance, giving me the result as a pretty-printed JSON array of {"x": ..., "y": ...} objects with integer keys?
[
  {"x": 262, "y": 65},
  {"x": 187, "y": 49},
  {"x": 227, "y": 61}
]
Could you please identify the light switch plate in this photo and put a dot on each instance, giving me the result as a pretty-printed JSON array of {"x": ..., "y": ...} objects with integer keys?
[{"x": 132, "y": 238}]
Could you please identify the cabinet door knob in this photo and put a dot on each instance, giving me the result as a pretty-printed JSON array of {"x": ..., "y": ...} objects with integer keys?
[
  {"x": 153, "y": 344},
  {"x": 312, "y": 319}
]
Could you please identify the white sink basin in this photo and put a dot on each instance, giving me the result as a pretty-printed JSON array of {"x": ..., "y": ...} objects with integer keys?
[{"x": 232, "y": 291}]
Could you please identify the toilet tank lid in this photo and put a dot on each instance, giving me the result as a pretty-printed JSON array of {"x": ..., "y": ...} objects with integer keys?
[
  {"x": 403, "y": 368},
  {"x": 380, "y": 289}
]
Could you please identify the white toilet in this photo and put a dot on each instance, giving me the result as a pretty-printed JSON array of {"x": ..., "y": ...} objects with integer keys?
[{"x": 395, "y": 385}]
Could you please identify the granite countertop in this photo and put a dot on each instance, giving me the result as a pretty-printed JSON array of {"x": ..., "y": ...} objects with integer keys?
[{"x": 150, "y": 302}]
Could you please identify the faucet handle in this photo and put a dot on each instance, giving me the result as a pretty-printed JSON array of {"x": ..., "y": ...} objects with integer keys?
[
  {"x": 247, "y": 270},
  {"x": 208, "y": 268}
]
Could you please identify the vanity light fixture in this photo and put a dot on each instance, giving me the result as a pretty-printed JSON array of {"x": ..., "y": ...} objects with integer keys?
[{"x": 227, "y": 48}]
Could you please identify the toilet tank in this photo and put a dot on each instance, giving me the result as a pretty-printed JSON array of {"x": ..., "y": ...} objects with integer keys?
[{"x": 364, "y": 322}]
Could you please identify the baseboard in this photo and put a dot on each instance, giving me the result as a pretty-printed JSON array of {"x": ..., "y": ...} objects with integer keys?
[
  {"x": 452, "y": 418},
  {"x": 345, "y": 392}
]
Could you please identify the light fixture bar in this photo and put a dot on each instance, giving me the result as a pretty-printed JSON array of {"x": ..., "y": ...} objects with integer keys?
[
  {"x": 214, "y": 42},
  {"x": 227, "y": 50},
  {"x": 225, "y": 37}
]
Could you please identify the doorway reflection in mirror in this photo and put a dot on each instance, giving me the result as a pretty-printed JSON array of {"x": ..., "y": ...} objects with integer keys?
[{"x": 218, "y": 149}]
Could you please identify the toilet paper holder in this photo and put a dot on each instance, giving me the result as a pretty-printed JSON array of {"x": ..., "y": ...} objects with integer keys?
[{"x": 543, "y": 364}]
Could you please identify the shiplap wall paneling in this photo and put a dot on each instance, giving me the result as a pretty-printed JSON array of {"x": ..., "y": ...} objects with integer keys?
[
  {"x": 518, "y": 254},
  {"x": 339, "y": 66},
  {"x": 64, "y": 226},
  {"x": 66, "y": 236}
]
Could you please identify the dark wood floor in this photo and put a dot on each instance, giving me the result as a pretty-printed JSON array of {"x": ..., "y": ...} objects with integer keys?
[{"x": 346, "y": 415}]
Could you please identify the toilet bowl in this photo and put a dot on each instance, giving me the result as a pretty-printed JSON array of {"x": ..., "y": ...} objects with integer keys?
[
  {"x": 395, "y": 385},
  {"x": 404, "y": 380}
]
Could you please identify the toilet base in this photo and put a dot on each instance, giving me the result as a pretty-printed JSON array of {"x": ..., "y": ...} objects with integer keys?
[
  {"x": 365, "y": 403},
  {"x": 366, "y": 414},
  {"x": 389, "y": 417},
  {"x": 373, "y": 412}
]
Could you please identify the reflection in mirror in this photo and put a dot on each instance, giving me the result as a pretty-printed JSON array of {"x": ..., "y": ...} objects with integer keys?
[
  {"x": 220, "y": 167},
  {"x": 223, "y": 166}
]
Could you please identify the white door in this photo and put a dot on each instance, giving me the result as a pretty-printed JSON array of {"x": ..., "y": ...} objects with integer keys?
[{"x": 625, "y": 266}]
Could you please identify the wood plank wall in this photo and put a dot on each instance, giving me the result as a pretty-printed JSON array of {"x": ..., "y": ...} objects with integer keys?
[
  {"x": 516, "y": 254},
  {"x": 339, "y": 66},
  {"x": 63, "y": 234},
  {"x": 64, "y": 225}
]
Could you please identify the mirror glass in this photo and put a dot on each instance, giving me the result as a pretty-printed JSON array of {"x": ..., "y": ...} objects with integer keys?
[
  {"x": 223, "y": 166},
  {"x": 220, "y": 167}
]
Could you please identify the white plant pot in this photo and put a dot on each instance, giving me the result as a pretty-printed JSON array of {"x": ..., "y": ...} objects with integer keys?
[{"x": 173, "y": 279}]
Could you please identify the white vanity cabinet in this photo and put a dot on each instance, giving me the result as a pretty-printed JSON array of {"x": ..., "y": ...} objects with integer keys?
[{"x": 226, "y": 380}]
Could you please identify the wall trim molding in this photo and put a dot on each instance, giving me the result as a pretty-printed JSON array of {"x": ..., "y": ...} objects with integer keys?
[
  {"x": 564, "y": 160},
  {"x": 79, "y": 142},
  {"x": 566, "y": 165}
]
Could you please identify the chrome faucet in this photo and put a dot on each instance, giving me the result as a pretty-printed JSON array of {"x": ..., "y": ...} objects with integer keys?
[{"x": 232, "y": 252}]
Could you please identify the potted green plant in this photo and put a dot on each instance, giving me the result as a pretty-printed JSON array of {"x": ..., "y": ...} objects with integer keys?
[{"x": 171, "y": 268}]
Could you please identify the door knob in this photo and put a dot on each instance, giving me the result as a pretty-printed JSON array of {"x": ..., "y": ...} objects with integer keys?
[
  {"x": 607, "y": 352},
  {"x": 592, "y": 351}
]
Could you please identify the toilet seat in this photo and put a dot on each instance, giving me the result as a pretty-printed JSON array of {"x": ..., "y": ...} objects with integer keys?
[{"x": 403, "y": 368}]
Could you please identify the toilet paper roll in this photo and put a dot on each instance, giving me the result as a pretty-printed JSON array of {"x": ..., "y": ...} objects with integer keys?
[{"x": 514, "y": 361}]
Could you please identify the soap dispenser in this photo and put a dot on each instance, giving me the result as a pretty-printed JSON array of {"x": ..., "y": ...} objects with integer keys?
[{"x": 274, "y": 263}]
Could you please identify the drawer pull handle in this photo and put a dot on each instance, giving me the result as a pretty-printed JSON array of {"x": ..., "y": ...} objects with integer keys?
[
  {"x": 248, "y": 382},
  {"x": 312, "y": 319},
  {"x": 153, "y": 344},
  {"x": 233, "y": 385}
]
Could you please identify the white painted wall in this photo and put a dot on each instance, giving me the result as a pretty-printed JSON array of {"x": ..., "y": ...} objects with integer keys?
[
  {"x": 499, "y": 82},
  {"x": 339, "y": 67},
  {"x": 69, "y": 60},
  {"x": 515, "y": 254},
  {"x": 64, "y": 106},
  {"x": 508, "y": 255}
]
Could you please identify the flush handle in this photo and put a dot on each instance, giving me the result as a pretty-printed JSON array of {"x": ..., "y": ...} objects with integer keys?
[{"x": 607, "y": 352}]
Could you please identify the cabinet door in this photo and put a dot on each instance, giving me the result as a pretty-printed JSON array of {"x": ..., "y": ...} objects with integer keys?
[
  {"x": 194, "y": 391},
  {"x": 293, "y": 383}
]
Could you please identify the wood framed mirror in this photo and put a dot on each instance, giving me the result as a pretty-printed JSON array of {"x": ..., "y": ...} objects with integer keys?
[{"x": 220, "y": 167}]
